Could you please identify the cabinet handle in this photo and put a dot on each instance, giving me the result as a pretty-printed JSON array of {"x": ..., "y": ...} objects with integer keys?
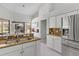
[{"x": 22, "y": 52}]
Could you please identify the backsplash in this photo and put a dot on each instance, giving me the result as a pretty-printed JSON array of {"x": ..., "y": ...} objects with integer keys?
[{"x": 55, "y": 31}]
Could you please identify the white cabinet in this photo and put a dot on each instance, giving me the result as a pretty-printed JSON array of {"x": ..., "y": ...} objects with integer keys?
[
  {"x": 65, "y": 50},
  {"x": 57, "y": 44},
  {"x": 58, "y": 21},
  {"x": 9, "y": 50},
  {"x": 69, "y": 51},
  {"x": 74, "y": 52},
  {"x": 29, "y": 49},
  {"x": 52, "y": 22},
  {"x": 38, "y": 48},
  {"x": 50, "y": 41},
  {"x": 14, "y": 53},
  {"x": 62, "y": 21},
  {"x": 65, "y": 21},
  {"x": 26, "y": 49},
  {"x": 54, "y": 42}
]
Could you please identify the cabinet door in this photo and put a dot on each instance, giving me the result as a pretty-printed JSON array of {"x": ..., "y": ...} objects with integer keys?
[
  {"x": 73, "y": 52},
  {"x": 65, "y": 50},
  {"x": 52, "y": 22},
  {"x": 58, "y": 21},
  {"x": 29, "y": 51},
  {"x": 69, "y": 51},
  {"x": 65, "y": 22},
  {"x": 10, "y": 49},
  {"x": 50, "y": 41},
  {"x": 13, "y": 53},
  {"x": 57, "y": 44},
  {"x": 48, "y": 22},
  {"x": 38, "y": 48},
  {"x": 62, "y": 21}
]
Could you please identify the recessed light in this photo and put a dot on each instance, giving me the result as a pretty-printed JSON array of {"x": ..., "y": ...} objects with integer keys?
[{"x": 23, "y": 5}]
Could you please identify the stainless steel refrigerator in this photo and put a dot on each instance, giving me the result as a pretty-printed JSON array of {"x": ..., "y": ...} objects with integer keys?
[
  {"x": 72, "y": 32},
  {"x": 70, "y": 38}
]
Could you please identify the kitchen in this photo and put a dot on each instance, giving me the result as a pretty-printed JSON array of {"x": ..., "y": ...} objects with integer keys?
[{"x": 39, "y": 29}]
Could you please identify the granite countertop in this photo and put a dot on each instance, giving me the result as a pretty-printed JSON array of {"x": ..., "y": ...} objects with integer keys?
[{"x": 21, "y": 41}]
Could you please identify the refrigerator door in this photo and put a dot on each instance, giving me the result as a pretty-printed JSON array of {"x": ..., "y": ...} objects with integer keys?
[
  {"x": 76, "y": 27},
  {"x": 71, "y": 27}
]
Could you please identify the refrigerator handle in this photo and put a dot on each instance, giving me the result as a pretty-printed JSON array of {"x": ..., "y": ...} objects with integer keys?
[
  {"x": 71, "y": 27},
  {"x": 74, "y": 18}
]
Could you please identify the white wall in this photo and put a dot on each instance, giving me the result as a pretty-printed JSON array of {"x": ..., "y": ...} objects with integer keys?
[
  {"x": 44, "y": 11},
  {"x": 4, "y": 13}
]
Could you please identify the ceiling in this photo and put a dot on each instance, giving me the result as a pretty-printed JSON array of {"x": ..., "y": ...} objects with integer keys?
[{"x": 28, "y": 9}]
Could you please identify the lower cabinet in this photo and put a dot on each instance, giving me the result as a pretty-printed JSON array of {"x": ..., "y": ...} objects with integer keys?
[
  {"x": 30, "y": 51},
  {"x": 74, "y": 52},
  {"x": 26, "y": 49},
  {"x": 50, "y": 41},
  {"x": 57, "y": 44},
  {"x": 54, "y": 43},
  {"x": 69, "y": 51},
  {"x": 13, "y": 53}
]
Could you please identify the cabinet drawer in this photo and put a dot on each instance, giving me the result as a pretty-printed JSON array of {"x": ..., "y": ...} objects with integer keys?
[
  {"x": 29, "y": 44},
  {"x": 10, "y": 49},
  {"x": 74, "y": 52},
  {"x": 57, "y": 44},
  {"x": 52, "y": 22},
  {"x": 13, "y": 53}
]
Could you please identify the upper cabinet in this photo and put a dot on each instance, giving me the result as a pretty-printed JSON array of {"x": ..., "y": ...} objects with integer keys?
[
  {"x": 4, "y": 26},
  {"x": 52, "y": 22},
  {"x": 64, "y": 21},
  {"x": 58, "y": 21}
]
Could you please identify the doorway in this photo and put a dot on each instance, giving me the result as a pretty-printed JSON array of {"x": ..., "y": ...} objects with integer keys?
[{"x": 43, "y": 30}]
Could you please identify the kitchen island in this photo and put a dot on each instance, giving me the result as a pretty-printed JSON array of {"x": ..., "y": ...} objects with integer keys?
[{"x": 22, "y": 47}]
